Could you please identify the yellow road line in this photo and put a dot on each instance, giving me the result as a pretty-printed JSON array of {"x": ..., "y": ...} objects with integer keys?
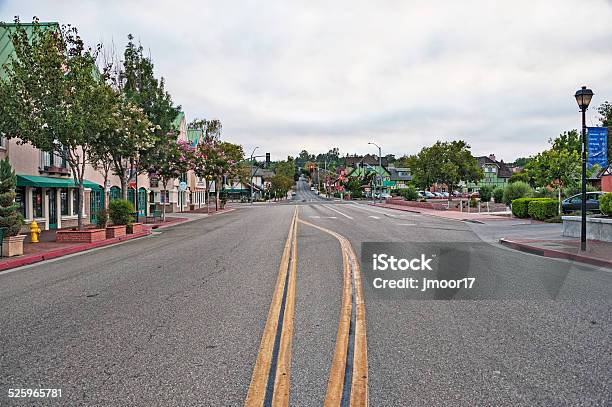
[
  {"x": 283, "y": 367},
  {"x": 359, "y": 384},
  {"x": 257, "y": 389}
]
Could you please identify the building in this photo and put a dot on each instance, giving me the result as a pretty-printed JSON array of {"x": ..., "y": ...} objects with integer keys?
[
  {"x": 496, "y": 174},
  {"x": 46, "y": 191},
  {"x": 399, "y": 178}
]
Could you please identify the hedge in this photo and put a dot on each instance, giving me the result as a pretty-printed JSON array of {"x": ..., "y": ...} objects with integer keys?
[
  {"x": 543, "y": 208},
  {"x": 605, "y": 204},
  {"x": 522, "y": 208}
]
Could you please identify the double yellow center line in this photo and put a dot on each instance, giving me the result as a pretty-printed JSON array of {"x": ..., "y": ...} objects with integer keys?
[
  {"x": 348, "y": 378},
  {"x": 270, "y": 380}
]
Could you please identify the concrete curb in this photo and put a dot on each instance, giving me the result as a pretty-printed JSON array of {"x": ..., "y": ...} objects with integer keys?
[
  {"x": 52, "y": 254},
  {"x": 556, "y": 254}
]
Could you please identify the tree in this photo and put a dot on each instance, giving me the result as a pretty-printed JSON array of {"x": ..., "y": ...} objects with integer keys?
[
  {"x": 605, "y": 110},
  {"x": 285, "y": 168},
  {"x": 520, "y": 176},
  {"x": 10, "y": 217},
  {"x": 555, "y": 167},
  {"x": 130, "y": 133},
  {"x": 486, "y": 192},
  {"x": 568, "y": 140},
  {"x": 53, "y": 97},
  {"x": 445, "y": 163},
  {"x": 522, "y": 161},
  {"x": 280, "y": 185},
  {"x": 137, "y": 81},
  {"x": 169, "y": 160}
]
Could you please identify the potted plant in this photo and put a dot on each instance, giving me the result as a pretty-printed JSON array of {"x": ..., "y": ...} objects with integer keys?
[
  {"x": 120, "y": 213},
  {"x": 10, "y": 217}
]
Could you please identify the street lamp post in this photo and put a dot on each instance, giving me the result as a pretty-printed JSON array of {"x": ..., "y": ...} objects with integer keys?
[
  {"x": 583, "y": 97},
  {"x": 379, "y": 165},
  {"x": 251, "y": 179}
]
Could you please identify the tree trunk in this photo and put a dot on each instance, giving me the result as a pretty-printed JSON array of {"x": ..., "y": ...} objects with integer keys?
[
  {"x": 124, "y": 187},
  {"x": 207, "y": 196},
  {"x": 217, "y": 193},
  {"x": 81, "y": 199}
]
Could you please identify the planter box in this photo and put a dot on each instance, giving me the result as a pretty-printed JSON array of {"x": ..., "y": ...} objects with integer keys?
[
  {"x": 13, "y": 246},
  {"x": 80, "y": 236},
  {"x": 597, "y": 228},
  {"x": 115, "y": 231},
  {"x": 136, "y": 228}
]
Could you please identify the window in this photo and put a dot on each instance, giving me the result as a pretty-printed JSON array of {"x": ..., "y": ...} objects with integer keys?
[
  {"x": 64, "y": 201},
  {"x": 2, "y": 142},
  {"x": 75, "y": 201},
  {"x": 20, "y": 200},
  {"x": 37, "y": 203}
]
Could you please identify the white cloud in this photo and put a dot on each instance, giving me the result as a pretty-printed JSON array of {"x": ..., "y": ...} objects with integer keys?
[{"x": 292, "y": 75}]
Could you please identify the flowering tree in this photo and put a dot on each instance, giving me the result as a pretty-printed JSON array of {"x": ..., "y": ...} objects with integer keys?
[{"x": 168, "y": 160}]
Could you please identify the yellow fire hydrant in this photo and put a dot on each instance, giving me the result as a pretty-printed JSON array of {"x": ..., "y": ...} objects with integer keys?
[{"x": 34, "y": 232}]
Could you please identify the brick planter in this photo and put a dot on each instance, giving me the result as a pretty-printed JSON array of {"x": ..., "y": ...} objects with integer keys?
[
  {"x": 135, "y": 228},
  {"x": 115, "y": 231},
  {"x": 80, "y": 236}
]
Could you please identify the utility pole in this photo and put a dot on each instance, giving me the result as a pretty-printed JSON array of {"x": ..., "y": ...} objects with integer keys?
[
  {"x": 251, "y": 179},
  {"x": 379, "y": 165}
]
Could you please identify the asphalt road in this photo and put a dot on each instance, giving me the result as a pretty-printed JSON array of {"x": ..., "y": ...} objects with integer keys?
[{"x": 178, "y": 318}]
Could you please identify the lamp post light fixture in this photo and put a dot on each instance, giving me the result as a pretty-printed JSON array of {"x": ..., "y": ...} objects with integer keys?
[
  {"x": 583, "y": 98},
  {"x": 379, "y": 165}
]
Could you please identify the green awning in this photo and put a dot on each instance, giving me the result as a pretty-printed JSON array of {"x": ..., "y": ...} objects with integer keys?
[{"x": 51, "y": 182}]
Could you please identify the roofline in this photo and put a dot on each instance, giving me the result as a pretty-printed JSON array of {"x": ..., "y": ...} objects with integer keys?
[{"x": 47, "y": 23}]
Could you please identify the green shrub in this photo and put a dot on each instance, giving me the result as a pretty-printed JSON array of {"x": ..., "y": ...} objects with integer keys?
[
  {"x": 473, "y": 203},
  {"x": 605, "y": 204},
  {"x": 101, "y": 218},
  {"x": 498, "y": 195},
  {"x": 545, "y": 193},
  {"x": 520, "y": 207},
  {"x": 485, "y": 193},
  {"x": 120, "y": 211},
  {"x": 410, "y": 193},
  {"x": 516, "y": 190},
  {"x": 543, "y": 208},
  {"x": 10, "y": 217}
]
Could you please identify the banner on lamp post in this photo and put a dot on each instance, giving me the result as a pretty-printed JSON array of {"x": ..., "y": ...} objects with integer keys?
[{"x": 597, "y": 141}]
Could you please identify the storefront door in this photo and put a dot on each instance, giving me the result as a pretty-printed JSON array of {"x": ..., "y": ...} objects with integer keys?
[
  {"x": 142, "y": 202},
  {"x": 52, "y": 192},
  {"x": 96, "y": 202}
]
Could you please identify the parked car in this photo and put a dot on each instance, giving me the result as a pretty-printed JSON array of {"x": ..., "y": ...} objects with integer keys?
[
  {"x": 444, "y": 194},
  {"x": 426, "y": 194},
  {"x": 438, "y": 194},
  {"x": 573, "y": 203}
]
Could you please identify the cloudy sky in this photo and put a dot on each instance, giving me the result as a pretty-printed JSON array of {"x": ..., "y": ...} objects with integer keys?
[{"x": 287, "y": 76}]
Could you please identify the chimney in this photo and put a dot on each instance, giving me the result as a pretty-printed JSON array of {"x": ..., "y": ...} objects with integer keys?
[{"x": 492, "y": 157}]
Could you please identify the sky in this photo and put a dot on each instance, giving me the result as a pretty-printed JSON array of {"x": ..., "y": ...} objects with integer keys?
[{"x": 289, "y": 75}]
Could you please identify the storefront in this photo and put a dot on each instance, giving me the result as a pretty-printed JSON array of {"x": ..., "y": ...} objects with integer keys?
[{"x": 53, "y": 202}]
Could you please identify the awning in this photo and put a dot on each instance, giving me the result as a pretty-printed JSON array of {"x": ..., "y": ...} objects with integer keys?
[{"x": 51, "y": 182}]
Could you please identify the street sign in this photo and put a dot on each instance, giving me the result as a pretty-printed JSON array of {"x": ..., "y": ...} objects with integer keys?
[
  {"x": 597, "y": 140},
  {"x": 182, "y": 185}
]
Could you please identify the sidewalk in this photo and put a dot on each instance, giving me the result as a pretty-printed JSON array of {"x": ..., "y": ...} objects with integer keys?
[
  {"x": 454, "y": 215},
  {"x": 597, "y": 253},
  {"x": 48, "y": 248}
]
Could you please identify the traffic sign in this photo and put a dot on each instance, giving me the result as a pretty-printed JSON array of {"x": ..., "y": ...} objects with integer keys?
[{"x": 182, "y": 185}]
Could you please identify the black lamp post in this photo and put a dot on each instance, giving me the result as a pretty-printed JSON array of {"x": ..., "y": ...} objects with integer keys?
[{"x": 583, "y": 97}]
